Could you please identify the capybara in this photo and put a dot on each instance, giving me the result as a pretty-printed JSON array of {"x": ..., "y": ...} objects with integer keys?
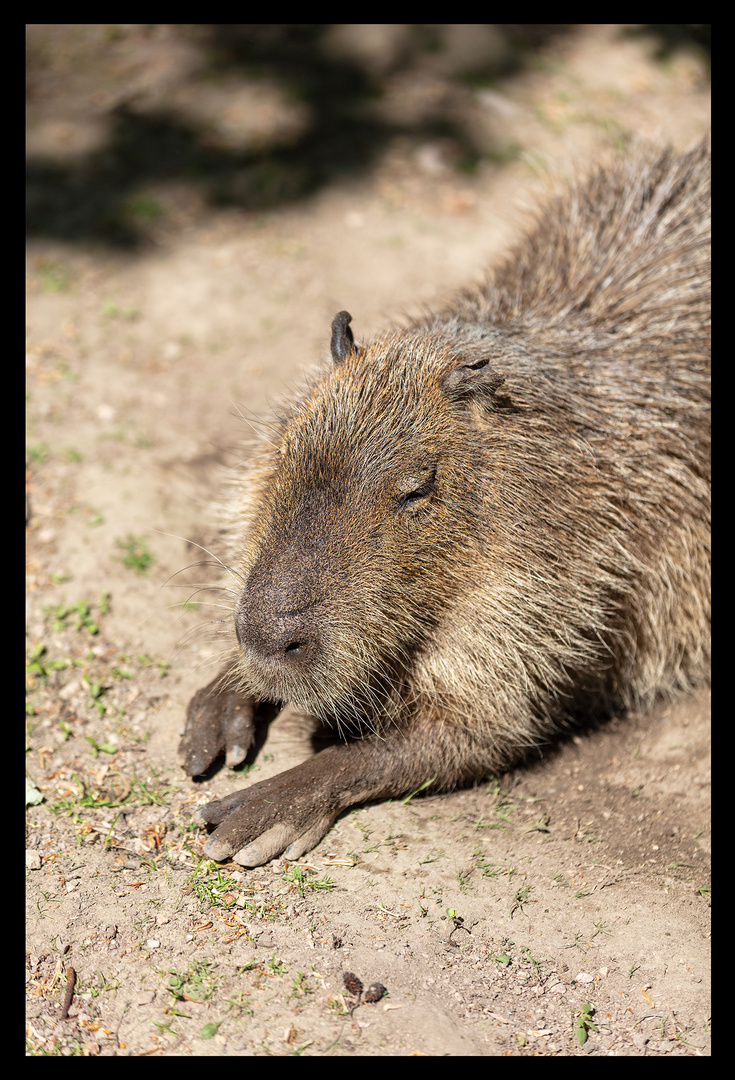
[{"x": 472, "y": 531}]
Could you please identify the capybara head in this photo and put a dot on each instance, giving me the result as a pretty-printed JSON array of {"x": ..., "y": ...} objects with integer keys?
[{"x": 367, "y": 520}]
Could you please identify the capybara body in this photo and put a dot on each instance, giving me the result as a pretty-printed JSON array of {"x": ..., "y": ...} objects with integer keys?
[{"x": 469, "y": 531}]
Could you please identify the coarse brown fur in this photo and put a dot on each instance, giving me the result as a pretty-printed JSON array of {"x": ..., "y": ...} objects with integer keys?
[{"x": 470, "y": 530}]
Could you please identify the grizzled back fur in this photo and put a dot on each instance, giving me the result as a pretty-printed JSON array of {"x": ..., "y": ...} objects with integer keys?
[{"x": 499, "y": 516}]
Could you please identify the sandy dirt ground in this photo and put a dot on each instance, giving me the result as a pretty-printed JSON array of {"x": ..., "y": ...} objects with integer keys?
[{"x": 202, "y": 200}]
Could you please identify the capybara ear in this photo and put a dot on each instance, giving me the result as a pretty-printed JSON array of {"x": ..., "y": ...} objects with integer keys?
[
  {"x": 469, "y": 377},
  {"x": 342, "y": 339}
]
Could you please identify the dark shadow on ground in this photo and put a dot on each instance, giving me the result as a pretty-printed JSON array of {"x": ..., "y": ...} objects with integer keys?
[{"x": 94, "y": 196}]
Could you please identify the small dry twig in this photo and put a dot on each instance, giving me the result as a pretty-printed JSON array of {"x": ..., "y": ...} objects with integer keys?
[{"x": 71, "y": 976}]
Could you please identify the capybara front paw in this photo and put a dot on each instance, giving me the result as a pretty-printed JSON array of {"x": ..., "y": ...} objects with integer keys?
[
  {"x": 282, "y": 839},
  {"x": 217, "y": 720},
  {"x": 271, "y": 818}
]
